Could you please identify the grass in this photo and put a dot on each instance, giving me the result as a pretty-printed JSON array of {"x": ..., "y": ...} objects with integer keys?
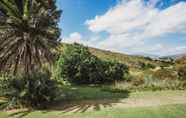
[
  {"x": 90, "y": 93},
  {"x": 93, "y": 102},
  {"x": 123, "y": 58},
  {"x": 78, "y": 93},
  {"x": 168, "y": 111}
]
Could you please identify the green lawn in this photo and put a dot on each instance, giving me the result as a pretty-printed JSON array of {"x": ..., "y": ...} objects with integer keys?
[
  {"x": 93, "y": 102},
  {"x": 91, "y": 93},
  {"x": 96, "y": 93},
  {"x": 169, "y": 111}
]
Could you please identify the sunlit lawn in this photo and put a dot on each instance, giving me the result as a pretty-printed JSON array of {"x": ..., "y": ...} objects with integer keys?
[{"x": 169, "y": 111}]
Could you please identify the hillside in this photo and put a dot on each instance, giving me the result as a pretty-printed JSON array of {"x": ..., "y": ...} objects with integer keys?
[
  {"x": 130, "y": 60},
  {"x": 177, "y": 56},
  {"x": 133, "y": 61},
  {"x": 181, "y": 61}
]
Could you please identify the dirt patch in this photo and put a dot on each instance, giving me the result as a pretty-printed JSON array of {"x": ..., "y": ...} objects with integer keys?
[{"x": 155, "y": 101}]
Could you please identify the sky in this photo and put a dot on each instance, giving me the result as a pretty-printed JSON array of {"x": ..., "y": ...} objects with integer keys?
[{"x": 144, "y": 27}]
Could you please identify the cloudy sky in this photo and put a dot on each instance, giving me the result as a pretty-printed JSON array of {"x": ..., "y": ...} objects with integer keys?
[{"x": 155, "y": 27}]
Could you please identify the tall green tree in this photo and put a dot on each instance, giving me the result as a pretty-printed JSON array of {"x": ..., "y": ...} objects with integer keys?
[{"x": 28, "y": 33}]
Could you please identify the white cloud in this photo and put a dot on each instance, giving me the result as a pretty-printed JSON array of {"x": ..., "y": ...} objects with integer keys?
[
  {"x": 134, "y": 16},
  {"x": 131, "y": 23},
  {"x": 158, "y": 49},
  {"x": 76, "y": 37},
  {"x": 73, "y": 38},
  {"x": 170, "y": 20},
  {"x": 123, "y": 18}
]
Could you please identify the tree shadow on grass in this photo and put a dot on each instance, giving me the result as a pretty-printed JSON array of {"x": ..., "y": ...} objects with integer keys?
[
  {"x": 14, "y": 113},
  {"x": 81, "y": 104},
  {"x": 19, "y": 114}
]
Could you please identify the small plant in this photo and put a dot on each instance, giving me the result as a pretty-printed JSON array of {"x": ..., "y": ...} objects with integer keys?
[
  {"x": 144, "y": 66},
  {"x": 35, "y": 91}
]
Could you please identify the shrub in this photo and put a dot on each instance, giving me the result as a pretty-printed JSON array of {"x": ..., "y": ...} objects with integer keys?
[
  {"x": 35, "y": 91},
  {"x": 2, "y": 79},
  {"x": 138, "y": 81},
  {"x": 182, "y": 72},
  {"x": 181, "y": 61},
  {"x": 114, "y": 71},
  {"x": 78, "y": 66},
  {"x": 165, "y": 74},
  {"x": 143, "y": 65}
]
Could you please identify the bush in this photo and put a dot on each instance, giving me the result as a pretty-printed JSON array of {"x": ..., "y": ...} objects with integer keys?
[
  {"x": 78, "y": 66},
  {"x": 144, "y": 66},
  {"x": 114, "y": 71},
  {"x": 35, "y": 91},
  {"x": 138, "y": 81},
  {"x": 182, "y": 72},
  {"x": 2, "y": 79},
  {"x": 165, "y": 74}
]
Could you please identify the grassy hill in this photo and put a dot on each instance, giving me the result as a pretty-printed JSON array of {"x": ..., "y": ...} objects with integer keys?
[
  {"x": 139, "y": 67},
  {"x": 134, "y": 62},
  {"x": 181, "y": 61},
  {"x": 131, "y": 60}
]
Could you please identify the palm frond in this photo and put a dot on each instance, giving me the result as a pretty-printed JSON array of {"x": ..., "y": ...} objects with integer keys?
[{"x": 28, "y": 32}]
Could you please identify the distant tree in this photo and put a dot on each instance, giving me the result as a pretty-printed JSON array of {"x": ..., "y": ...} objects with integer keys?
[{"x": 28, "y": 32}]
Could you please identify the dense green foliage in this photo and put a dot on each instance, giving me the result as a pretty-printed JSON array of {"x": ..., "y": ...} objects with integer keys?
[
  {"x": 28, "y": 32},
  {"x": 35, "y": 91},
  {"x": 114, "y": 71},
  {"x": 77, "y": 65},
  {"x": 29, "y": 35}
]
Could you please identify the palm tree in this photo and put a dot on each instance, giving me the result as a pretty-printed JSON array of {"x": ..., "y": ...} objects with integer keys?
[{"x": 28, "y": 33}]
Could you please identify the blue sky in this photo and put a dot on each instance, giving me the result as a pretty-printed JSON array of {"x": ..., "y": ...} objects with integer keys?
[
  {"x": 76, "y": 12},
  {"x": 129, "y": 26}
]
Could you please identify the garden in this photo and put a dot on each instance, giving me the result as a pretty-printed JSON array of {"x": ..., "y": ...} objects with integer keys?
[{"x": 42, "y": 77}]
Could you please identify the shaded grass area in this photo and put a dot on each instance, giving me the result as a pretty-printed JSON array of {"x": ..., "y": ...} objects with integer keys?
[
  {"x": 90, "y": 93},
  {"x": 168, "y": 111},
  {"x": 82, "y": 98}
]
